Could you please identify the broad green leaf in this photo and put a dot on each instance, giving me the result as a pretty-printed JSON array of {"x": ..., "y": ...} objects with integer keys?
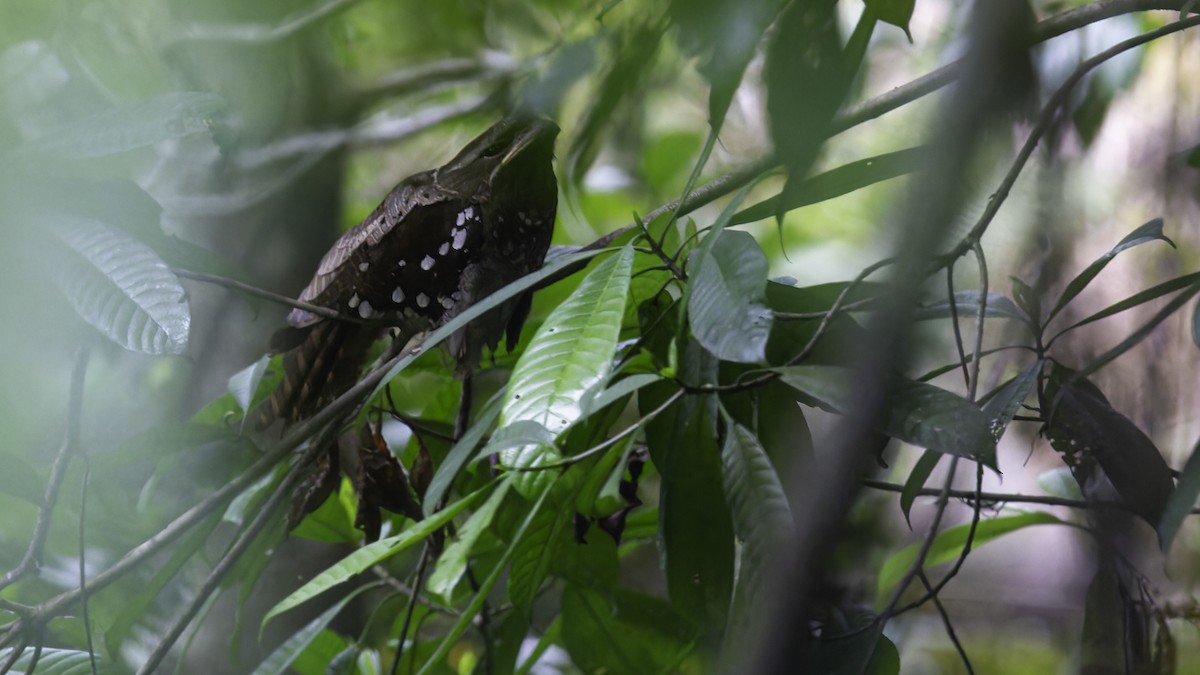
[
  {"x": 949, "y": 543},
  {"x": 452, "y": 563},
  {"x": 1179, "y": 506},
  {"x": 121, "y": 287},
  {"x": 60, "y": 662},
  {"x": 726, "y": 307},
  {"x": 278, "y": 661},
  {"x": 131, "y": 126},
  {"x": 594, "y": 401},
  {"x": 916, "y": 413},
  {"x": 836, "y": 182},
  {"x": 695, "y": 528},
  {"x": 966, "y": 304},
  {"x": 485, "y": 588},
  {"x": 1149, "y": 232},
  {"x": 369, "y": 555},
  {"x": 571, "y": 352},
  {"x": 1082, "y": 425},
  {"x": 867, "y": 651},
  {"x": 916, "y": 480},
  {"x": 533, "y": 554},
  {"x": 321, "y": 656},
  {"x": 622, "y": 632},
  {"x": 762, "y": 521}
]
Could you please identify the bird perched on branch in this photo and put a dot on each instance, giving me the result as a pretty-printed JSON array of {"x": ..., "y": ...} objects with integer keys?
[{"x": 441, "y": 241}]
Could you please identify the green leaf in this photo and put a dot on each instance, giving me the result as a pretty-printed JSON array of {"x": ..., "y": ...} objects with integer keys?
[
  {"x": 485, "y": 588},
  {"x": 130, "y": 126},
  {"x": 533, "y": 554},
  {"x": 836, "y": 182},
  {"x": 695, "y": 526},
  {"x": 622, "y": 632},
  {"x": 458, "y": 456},
  {"x": 807, "y": 78},
  {"x": 1082, "y": 425},
  {"x": 949, "y": 543},
  {"x": 1058, "y": 482},
  {"x": 916, "y": 480},
  {"x": 1150, "y": 231},
  {"x": 1138, "y": 299},
  {"x": 60, "y": 662},
  {"x": 966, "y": 304},
  {"x": 121, "y": 287},
  {"x": 726, "y": 307},
  {"x": 1001, "y": 408},
  {"x": 278, "y": 661},
  {"x": 1179, "y": 506},
  {"x": 896, "y": 12},
  {"x": 452, "y": 563},
  {"x": 244, "y": 384},
  {"x": 369, "y": 555},
  {"x": 1140, "y": 334},
  {"x": 594, "y": 401},
  {"x": 571, "y": 352},
  {"x": 761, "y": 519},
  {"x": 917, "y": 413}
]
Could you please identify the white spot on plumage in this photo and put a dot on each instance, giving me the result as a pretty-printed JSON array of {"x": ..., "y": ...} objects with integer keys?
[
  {"x": 422, "y": 300},
  {"x": 402, "y": 263},
  {"x": 446, "y": 302},
  {"x": 398, "y": 295},
  {"x": 365, "y": 311},
  {"x": 427, "y": 263},
  {"x": 469, "y": 212},
  {"x": 363, "y": 267},
  {"x": 462, "y": 217},
  {"x": 353, "y": 301},
  {"x": 460, "y": 239},
  {"x": 444, "y": 248}
]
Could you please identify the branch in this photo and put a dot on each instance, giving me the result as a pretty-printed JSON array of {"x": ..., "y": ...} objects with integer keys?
[
  {"x": 33, "y": 554},
  {"x": 1001, "y": 497},
  {"x": 261, "y": 32}
]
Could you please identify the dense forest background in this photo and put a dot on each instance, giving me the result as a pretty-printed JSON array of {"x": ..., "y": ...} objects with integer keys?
[{"x": 876, "y": 328}]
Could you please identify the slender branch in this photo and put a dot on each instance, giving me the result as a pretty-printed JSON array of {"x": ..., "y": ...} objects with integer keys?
[
  {"x": 261, "y": 32},
  {"x": 1046, "y": 118},
  {"x": 1002, "y": 497},
  {"x": 87, "y": 621},
  {"x": 418, "y": 581},
  {"x": 58, "y": 471},
  {"x": 962, "y": 653},
  {"x": 271, "y": 296}
]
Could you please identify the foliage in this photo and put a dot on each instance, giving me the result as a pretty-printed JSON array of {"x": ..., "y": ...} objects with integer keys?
[{"x": 634, "y": 487}]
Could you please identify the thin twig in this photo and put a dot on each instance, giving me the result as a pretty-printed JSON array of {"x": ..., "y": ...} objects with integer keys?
[
  {"x": 962, "y": 653},
  {"x": 236, "y": 285},
  {"x": 418, "y": 581},
  {"x": 58, "y": 471},
  {"x": 87, "y": 622}
]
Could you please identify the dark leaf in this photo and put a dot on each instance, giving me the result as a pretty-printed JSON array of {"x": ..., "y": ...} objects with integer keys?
[
  {"x": 917, "y": 413},
  {"x": 1137, "y": 299},
  {"x": 1003, "y": 406},
  {"x": 1082, "y": 425},
  {"x": 726, "y": 307},
  {"x": 835, "y": 183},
  {"x": 622, "y": 632},
  {"x": 806, "y": 79},
  {"x": 1102, "y": 651},
  {"x": 1150, "y": 231},
  {"x": 1027, "y": 299},
  {"x": 916, "y": 480},
  {"x": 694, "y": 523},
  {"x": 896, "y": 12},
  {"x": 1179, "y": 506},
  {"x": 966, "y": 305}
]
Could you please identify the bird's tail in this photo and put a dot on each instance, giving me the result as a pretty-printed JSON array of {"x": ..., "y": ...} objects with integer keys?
[{"x": 325, "y": 364}]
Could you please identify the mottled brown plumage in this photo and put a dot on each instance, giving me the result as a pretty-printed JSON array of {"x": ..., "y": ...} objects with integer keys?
[{"x": 441, "y": 241}]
